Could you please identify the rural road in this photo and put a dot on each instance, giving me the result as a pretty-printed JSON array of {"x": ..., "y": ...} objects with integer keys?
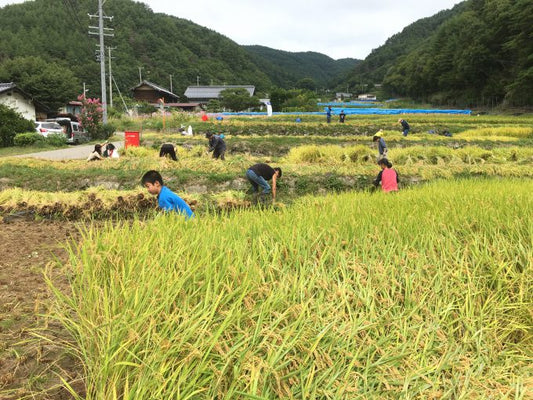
[{"x": 75, "y": 152}]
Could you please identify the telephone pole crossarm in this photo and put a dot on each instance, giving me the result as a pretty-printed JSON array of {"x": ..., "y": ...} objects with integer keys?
[{"x": 101, "y": 33}]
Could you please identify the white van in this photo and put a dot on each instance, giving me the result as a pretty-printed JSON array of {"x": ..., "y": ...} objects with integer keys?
[{"x": 73, "y": 130}]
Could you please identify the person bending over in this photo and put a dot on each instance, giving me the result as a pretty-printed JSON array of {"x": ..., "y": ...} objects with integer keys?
[
  {"x": 166, "y": 198},
  {"x": 216, "y": 145},
  {"x": 387, "y": 177},
  {"x": 259, "y": 175},
  {"x": 168, "y": 150},
  {"x": 405, "y": 126}
]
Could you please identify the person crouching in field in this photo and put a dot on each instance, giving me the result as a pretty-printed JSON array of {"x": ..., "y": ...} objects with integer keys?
[
  {"x": 216, "y": 145},
  {"x": 166, "y": 198},
  {"x": 259, "y": 174},
  {"x": 387, "y": 177},
  {"x": 382, "y": 146},
  {"x": 97, "y": 152},
  {"x": 111, "y": 151}
]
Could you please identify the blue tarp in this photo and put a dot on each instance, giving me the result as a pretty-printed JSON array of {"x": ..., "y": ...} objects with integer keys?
[
  {"x": 358, "y": 111},
  {"x": 393, "y": 111},
  {"x": 348, "y": 104}
]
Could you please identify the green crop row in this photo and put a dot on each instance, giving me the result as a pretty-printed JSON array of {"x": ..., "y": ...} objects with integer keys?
[{"x": 421, "y": 294}]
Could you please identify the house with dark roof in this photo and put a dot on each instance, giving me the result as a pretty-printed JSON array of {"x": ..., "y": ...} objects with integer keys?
[
  {"x": 20, "y": 101},
  {"x": 151, "y": 93},
  {"x": 191, "y": 107},
  {"x": 202, "y": 94}
]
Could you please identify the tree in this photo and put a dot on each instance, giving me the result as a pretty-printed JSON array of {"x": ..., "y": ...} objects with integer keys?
[
  {"x": 293, "y": 100},
  {"x": 238, "y": 99},
  {"x": 306, "y": 83},
  {"x": 12, "y": 123},
  {"x": 214, "y": 106},
  {"x": 48, "y": 82},
  {"x": 278, "y": 97}
]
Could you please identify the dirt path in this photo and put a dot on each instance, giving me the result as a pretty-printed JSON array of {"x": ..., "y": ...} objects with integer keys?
[
  {"x": 79, "y": 152},
  {"x": 28, "y": 365}
]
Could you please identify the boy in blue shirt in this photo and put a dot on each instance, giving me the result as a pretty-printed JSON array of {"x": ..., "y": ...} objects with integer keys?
[{"x": 166, "y": 198}]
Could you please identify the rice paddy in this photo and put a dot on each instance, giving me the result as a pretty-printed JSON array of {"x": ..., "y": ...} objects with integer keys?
[
  {"x": 422, "y": 294},
  {"x": 334, "y": 292}
]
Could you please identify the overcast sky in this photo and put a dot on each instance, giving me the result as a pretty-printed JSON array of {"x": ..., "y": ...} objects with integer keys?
[{"x": 339, "y": 30}]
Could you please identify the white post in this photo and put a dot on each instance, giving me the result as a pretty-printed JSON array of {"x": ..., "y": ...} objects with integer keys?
[
  {"x": 110, "y": 80},
  {"x": 102, "y": 61}
]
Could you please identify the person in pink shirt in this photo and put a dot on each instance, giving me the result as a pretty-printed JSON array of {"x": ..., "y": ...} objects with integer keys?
[{"x": 387, "y": 177}]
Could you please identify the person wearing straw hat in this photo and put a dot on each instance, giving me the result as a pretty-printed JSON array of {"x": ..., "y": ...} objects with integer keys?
[{"x": 382, "y": 146}]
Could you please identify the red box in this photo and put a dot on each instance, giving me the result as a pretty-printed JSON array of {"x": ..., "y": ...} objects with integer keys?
[{"x": 131, "y": 139}]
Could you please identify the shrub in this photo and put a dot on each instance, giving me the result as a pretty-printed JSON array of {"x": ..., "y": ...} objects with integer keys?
[
  {"x": 56, "y": 139},
  {"x": 104, "y": 131},
  {"x": 28, "y": 139},
  {"x": 11, "y": 124}
]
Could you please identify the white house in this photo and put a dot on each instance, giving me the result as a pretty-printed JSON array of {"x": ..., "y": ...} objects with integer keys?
[
  {"x": 367, "y": 97},
  {"x": 202, "y": 94},
  {"x": 21, "y": 102}
]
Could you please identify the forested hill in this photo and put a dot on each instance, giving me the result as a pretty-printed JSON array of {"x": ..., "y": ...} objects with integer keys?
[
  {"x": 56, "y": 31},
  {"x": 48, "y": 41},
  {"x": 375, "y": 66},
  {"x": 477, "y": 54},
  {"x": 285, "y": 68}
]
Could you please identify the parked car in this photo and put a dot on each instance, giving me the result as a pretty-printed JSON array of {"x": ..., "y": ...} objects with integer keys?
[
  {"x": 73, "y": 131},
  {"x": 46, "y": 128}
]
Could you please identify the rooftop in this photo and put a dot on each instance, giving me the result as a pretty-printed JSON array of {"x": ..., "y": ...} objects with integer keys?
[
  {"x": 156, "y": 87},
  {"x": 213, "y": 92}
]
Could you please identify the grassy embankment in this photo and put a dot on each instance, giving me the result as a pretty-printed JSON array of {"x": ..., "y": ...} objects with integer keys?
[{"x": 421, "y": 294}]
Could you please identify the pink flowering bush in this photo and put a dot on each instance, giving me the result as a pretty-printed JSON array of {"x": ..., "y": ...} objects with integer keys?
[{"x": 91, "y": 118}]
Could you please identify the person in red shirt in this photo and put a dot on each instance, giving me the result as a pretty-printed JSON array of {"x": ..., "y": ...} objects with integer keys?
[{"x": 387, "y": 177}]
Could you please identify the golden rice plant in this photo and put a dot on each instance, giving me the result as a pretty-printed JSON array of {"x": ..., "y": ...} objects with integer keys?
[
  {"x": 421, "y": 294},
  {"x": 522, "y": 132},
  {"x": 330, "y": 154}
]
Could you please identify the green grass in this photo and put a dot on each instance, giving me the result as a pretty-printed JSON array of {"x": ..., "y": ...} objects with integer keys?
[{"x": 421, "y": 294}]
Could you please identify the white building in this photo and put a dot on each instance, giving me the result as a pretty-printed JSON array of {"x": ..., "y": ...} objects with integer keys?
[
  {"x": 202, "y": 94},
  {"x": 367, "y": 97},
  {"x": 18, "y": 100}
]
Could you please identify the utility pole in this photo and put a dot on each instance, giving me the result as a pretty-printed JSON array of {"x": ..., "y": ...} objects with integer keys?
[
  {"x": 100, "y": 32},
  {"x": 197, "y": 80},
  {"x": 109, "y": 48},
  {"x": 140, "y": 75},
  {"x": 170, "y": 83}
]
